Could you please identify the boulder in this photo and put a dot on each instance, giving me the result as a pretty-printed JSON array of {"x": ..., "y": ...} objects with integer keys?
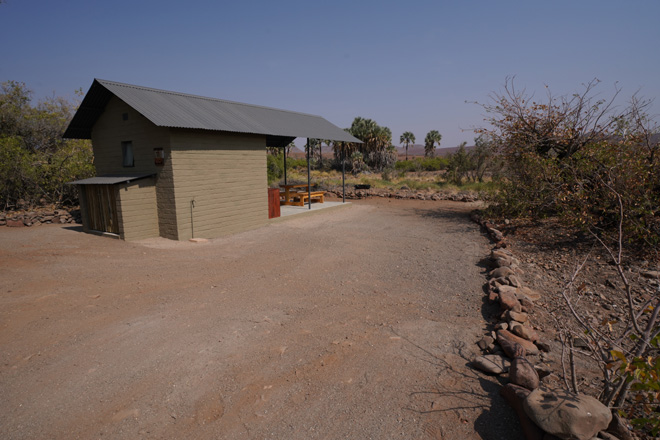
[
  {"x": 515, "y": 397},
  {"x": 485, "y": 342},
  {"x": 522, "y": 373},
  {"x": 508, "y": 301},
  {"x": 506, "y": 288},
  {"x": 491, "y": 364},
  {"x": 543, "y": 371},
  {"x": 513, "y": 281},
  {"x": 525, "y": 332},
  {"x": 501, "y": 272},
  {"x": 500, "y": 253},
  {"x": 511, "y": 348},
  {"x": 503, "y": 262},
  {"x": 517, "y": 316},
  {"x": 529, "y": 346},
  {"x": 496, "y": 234},
  {"x": 567, "y": 415},
  {"x": 15, "y": 223},
  {"x": 497, "y": 282},
  {"x": 526, "y": 304}
]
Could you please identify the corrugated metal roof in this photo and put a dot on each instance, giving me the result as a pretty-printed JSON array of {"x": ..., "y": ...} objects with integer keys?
[
  {"x": 179, "y": 110},
  {"x": 111, "y": 179}
]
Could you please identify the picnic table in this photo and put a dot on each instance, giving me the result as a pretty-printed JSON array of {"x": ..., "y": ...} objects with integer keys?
[
  {"x": 288, "y": 193},
  {"x": 298, "y": 198}
]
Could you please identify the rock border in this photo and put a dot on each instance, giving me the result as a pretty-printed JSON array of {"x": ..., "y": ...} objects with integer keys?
[
  {"x": 37, "y": 217},
  {"x": 507, "y": 350},
  {"x": 405, "y": 193}
]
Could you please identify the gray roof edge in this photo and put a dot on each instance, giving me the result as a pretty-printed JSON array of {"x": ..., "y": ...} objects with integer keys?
[
  {"x": 105, "y": 82},
  {"x": 111, "y": 179},
  {"x": 348, "y": 135},
  {"x": 296, "y": 124}
]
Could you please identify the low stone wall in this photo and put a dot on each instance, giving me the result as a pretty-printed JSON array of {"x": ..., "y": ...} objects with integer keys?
[
  {"x": 17, "y": 219},
  {"x": 512, "y": 350},
  {"x": 353, "y": 194}
]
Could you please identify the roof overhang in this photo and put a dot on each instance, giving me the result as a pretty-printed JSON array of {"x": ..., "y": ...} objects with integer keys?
[{"x": 111, "y": 179}]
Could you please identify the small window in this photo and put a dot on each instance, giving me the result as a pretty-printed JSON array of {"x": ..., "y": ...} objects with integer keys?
[
  {"x": 124, "y": 116},
  {"x": 127, "y": 153}
]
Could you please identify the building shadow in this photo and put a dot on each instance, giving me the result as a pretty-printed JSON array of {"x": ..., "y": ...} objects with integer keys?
[{"x": 76, "y": 228}]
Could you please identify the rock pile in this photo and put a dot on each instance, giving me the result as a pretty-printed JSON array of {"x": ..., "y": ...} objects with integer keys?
[
  {"x": 511, "y": 348},
  {"x": 354, "y": 194},
  {"x": 39, "y": 217}
]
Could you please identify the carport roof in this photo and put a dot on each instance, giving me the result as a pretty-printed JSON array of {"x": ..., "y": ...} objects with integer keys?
[{"x": 180, "y": 110}]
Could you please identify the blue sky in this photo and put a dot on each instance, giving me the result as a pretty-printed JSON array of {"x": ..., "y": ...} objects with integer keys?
[{"x": 408, "y": 65}]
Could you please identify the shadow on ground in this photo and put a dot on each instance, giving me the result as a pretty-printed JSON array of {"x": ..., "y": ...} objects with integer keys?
[{"x": 450, "y": 405}]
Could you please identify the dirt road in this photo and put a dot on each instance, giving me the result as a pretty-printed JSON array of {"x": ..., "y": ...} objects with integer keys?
[{"x": 353, "y": 323}]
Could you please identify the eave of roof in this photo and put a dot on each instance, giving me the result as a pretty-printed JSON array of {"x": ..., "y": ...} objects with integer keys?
[
  {"x": 111, "y": 179},
  {"x": 179, "y": 110}
]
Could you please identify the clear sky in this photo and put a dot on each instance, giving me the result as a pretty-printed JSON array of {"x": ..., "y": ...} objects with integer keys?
[{"x": 409, "y": 65}]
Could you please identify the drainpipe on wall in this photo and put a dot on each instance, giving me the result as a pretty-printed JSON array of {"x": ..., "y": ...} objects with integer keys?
[{"x": 192, "y": 224}]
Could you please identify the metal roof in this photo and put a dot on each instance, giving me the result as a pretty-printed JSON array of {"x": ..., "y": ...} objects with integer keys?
[
  {"x": 111, "y": 179},
  {"x": 179, "y": 110}
]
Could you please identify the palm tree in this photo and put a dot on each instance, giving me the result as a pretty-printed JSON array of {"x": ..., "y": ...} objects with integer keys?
[
  {"x": 407, "y": 138},
  {"x": 313, "y": 143},
  {"x": 432, "y": 137},
  {"x": 376, "y": 141}
]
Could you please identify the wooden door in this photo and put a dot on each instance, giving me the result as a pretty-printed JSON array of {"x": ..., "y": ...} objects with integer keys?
[{"x": 101, "y": 204}]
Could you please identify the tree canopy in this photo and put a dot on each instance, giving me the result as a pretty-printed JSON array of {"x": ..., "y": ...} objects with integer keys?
[
  {"x": 432, "y": 137},
  {"x": 407, "y": 138},
  {"x": 35, "y": 162},
  {"x": 376, "y": 151}
]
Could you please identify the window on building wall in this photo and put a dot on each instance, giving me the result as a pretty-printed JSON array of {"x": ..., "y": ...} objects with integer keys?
[{"x": 127, "y": 153}]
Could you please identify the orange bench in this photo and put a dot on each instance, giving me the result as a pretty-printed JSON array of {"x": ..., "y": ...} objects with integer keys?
[{"x": 301, "y": 197}]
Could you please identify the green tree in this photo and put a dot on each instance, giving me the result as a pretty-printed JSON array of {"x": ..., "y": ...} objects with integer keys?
[
  {"x": 459, "y": 164},
  {"x": 376, "y": 150},
  {"x": 312, "y": 145},
  {"x": 581, "y": 160},
  {"x": 481, "y": 157},
  {"x": 407, "y": 138},
  {"x": 35, "y": 161},
  {"x": 432, "y": 137}
]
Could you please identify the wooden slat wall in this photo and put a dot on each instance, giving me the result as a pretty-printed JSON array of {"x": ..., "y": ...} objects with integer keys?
[
  {"x": 101, "y": 203},
  {"x": 137, "y": 211}
]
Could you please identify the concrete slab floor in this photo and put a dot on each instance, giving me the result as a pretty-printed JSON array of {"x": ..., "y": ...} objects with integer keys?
[{"x": 287, "y": 210}]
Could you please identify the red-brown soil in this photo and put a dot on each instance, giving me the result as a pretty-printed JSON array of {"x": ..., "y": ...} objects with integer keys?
[{"x": 357, "y": 323}]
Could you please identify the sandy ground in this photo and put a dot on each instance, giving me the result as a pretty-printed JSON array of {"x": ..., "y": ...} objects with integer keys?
[{"x": 354, "y": 323}]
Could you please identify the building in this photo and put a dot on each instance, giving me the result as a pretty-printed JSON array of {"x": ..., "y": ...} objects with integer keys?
[{"x": 180, "y": 166}]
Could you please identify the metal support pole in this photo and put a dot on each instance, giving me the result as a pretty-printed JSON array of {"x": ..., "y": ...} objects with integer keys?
[
  {"x": 309, "y": 179},
  {"x": 343, "y": 172},
  {"x": 285, "y": 165}
]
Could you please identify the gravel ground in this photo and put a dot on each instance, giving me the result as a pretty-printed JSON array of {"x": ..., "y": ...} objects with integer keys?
[{"x": 352, "y": 323}]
